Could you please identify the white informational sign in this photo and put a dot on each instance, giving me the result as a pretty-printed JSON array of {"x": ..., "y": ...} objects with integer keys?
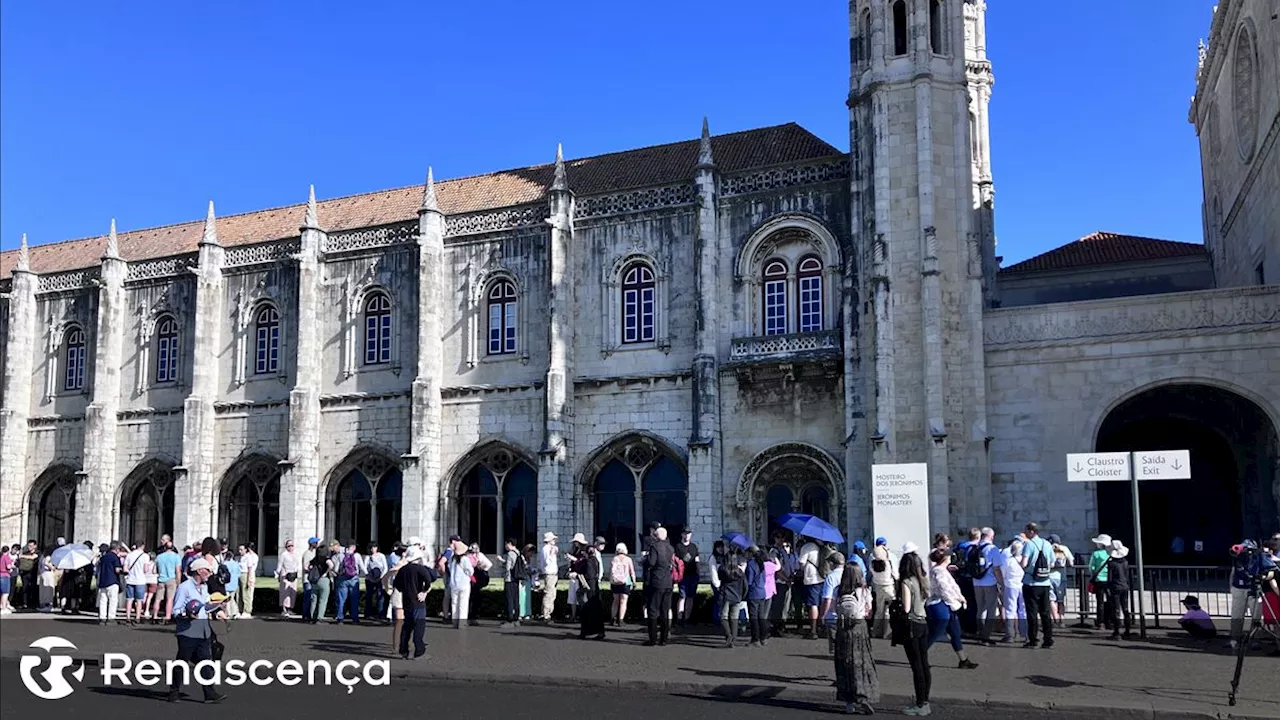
[
  {"x": 1163, "y": 465},
  {"x": 1095, "y": 467},
  {"x": 900, "y": 505}
]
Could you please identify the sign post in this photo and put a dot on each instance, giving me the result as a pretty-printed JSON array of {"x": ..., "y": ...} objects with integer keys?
[
  {"x": 1132, "y": 466},
  {"x": 900, "y": 503}
]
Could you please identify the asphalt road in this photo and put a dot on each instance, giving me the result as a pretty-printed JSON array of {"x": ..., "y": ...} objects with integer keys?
[{"x": 407, "y": 696}]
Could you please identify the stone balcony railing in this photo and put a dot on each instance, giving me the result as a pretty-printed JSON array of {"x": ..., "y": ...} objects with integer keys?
[{"x": 785, "y": 347}]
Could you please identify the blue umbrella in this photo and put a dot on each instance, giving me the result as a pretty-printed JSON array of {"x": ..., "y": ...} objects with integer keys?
[
  {"x": 810, "y": 526},
  {"x": 737, "y": 538}
]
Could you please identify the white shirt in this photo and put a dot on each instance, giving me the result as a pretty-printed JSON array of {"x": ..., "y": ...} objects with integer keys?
[
  {"x": 136, "y": 565},
  {"x": 549, "y": 553},
  {"x": 483, "y": 562},
  {"x": 1013, "y": 570},
  {"x": 249, "y": 563},
  {"x": 809, "y": 564},
  {"x": 376, "y": 560}
]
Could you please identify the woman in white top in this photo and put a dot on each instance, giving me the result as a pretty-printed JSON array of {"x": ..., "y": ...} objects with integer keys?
[
  {"x": 151, "y": 575},
  {"x": 1013, "y": 609},
  {"x": 944, "y": 605},
  {"x": 622, "y": 578},
  {"x": 460, "y": 572}
]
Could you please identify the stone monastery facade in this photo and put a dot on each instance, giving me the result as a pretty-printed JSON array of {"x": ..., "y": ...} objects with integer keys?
[{"x": 709, "y": 334}]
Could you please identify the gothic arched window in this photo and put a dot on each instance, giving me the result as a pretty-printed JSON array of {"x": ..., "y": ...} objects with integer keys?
[
  {"x": 377, "y": 329},
  {"x": 74, "y": 359},
  {"x": 267, "y": 331},
  {"x": 937, "y": 28},
  {"x": 251, "y": 510},
  {"x": 366, "y": 504},
  {"x": 900, "y": 27},
  {"x": 775, "y": 298},
  {"x": 503, "y": 313},
  {"x": 638, "y": 304},
  {"x": 166, "y": 350},
  {"x": 621, "y": 511},
  {"x": 810, "y": 285},
  {"x": 866, "y": 36},
  {"x": 146, "y": 506}
]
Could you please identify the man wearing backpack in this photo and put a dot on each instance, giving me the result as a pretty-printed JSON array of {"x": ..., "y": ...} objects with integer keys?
[
  {"x": 982, "y": 563},
  {"x": 349, "y": 564},
  {"x": 788, "y": 567},
  {"x": 1037, "y": 560}
]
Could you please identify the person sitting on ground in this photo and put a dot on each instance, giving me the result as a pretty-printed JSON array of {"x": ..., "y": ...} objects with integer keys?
[{"x": 1196, "y": 621}]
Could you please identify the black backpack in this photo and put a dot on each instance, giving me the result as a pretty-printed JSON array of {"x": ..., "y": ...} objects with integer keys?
[
  {"x": 899, "y": 623},
  {"x": 519, "y": 568},
  {"x": 975, "y": 562},
  {"x": 373, "y": 575},
  {"x": 224, "y": 575},
  {"x": 1042, "y": 567}
]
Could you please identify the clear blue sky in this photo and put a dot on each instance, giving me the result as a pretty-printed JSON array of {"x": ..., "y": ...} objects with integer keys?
[{"x": 146, "y": 110}]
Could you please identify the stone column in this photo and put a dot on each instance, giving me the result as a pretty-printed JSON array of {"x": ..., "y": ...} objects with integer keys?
[
  {"x": 705, "y": 508},
  {"x": 17, "y": 397},
  {"x": 553, "y": 458},
  {"x": 301, "y": 507},
  {"x": 97, "y": 483},
  {"x": 421, "y": 508},
  {"x": 195, "y": 490}
]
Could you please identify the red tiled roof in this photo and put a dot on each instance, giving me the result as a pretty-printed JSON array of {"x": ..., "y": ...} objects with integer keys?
[
  {"x": 1105, "y": 248},
  {"x": 643, "y": 167}
]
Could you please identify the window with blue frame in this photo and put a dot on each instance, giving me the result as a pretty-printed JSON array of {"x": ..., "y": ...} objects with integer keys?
[
  {"x": 166, "y": 350},
  {"x": 377, "y": 329},
  {"x": 267, "y": 330}
]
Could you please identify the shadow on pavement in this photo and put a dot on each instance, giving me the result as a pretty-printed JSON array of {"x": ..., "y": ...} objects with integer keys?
[
  {"x": 132, "y": 692},
  {"x": 351, "y": 647},
  {"x": 738, "y": 675},
  {"x": 755, "y": 695}
]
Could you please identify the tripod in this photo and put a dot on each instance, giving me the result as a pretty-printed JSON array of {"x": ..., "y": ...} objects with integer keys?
[{"x": 1256, "y": 627}]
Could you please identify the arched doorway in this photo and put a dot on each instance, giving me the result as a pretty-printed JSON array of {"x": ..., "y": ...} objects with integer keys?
[
  {"x": 497, "y": 498},
  {"x": 365, "y": 502},
  {"x": 250, "y": 504},
  {"x": 635, "y": 481},
  {"x": 146, "y": 504},
  {"x": 793, "y": 477},
  {"x": 1231, "y": 493},
  {"x": 52, "y": 507}
]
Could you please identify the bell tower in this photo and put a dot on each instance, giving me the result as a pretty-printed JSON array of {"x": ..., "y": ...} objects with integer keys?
[{"x": 924, "y": 242}]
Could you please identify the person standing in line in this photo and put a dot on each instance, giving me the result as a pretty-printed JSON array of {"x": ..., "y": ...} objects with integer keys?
[
  {"x": 757, "y": 596},
  {"x": 913, "y": 588},
  {"x": 687, "y": 593},
  {"x": 591, "y": 611},
  {"x": 812, "y": 580},
  {"x": 248, "y": 578},
  {"x": 1118, "y": 589},
  {"x": 1037, "y": 563},
  {"x": 308, "y": 555},
  {"x": 153, "y": 578},
  {"x": 1062, "y": 562},
  {"x": 320, "y": 574},
  {"x": 412, "y": 580},
  {"x": 193, "y": 632},
  {"x": 6, "y": 579},
  {"x": 788, "y": 569},
  {"x": 942, "y": 609},
  {"x": 513, "y": 569},
  {"x": 733, "y": 593},
  {"x": 375, "y": 566},
  {"x": 135, "y": 571},
  {"x": 288, "y": 568},
  {"x": 29, "y": 574},
  {"x": 460, "y": 573},
  {"x": 348, "y": 565},
  {"x": 532, "y": 573},
  {"x": 1098, "y": 580},
  {"x": 230, "y": 571},
  {"x": 1013, "y": 608},
  {"x": 884, "y": 582},
  {"x": 480, "y": 567},
  {"x": 110, "y": 570},
  {"x": 166, "y": 583},
  {"x": 985, "y": 565},
  {"x": 857, "y": 682},
  {"x": 396, "y": 598},
  {"x": 830, "y": 594},
  {"x": 550, "y": 575},
  {"x": 622, "y": 578},
  {"x": 658, "y": 581}
]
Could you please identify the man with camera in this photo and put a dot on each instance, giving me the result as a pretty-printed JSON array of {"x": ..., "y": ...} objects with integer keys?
[
  {"x": 192, "y": 610},
  {"x": 1251, "y": 567}
]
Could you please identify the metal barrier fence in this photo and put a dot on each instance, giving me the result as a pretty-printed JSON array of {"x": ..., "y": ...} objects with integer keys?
[{"x": 1167, "y": 585}]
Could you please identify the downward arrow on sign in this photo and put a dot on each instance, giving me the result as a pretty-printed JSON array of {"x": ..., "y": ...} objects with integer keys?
[
  {"x": 1176, "y": 465},
  {"x": 1079, "y": 468}
]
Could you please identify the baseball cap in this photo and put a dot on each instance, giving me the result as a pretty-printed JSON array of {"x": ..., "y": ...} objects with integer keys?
[
  {"x": 881, "y": 541},
  {"x": 313, "y": 541},
  {"x": 859, "y": 545},
  {"x": 600, "y": 540}
]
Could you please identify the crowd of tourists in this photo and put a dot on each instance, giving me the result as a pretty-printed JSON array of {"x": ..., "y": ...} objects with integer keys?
[{"x": 975, "y": 590}]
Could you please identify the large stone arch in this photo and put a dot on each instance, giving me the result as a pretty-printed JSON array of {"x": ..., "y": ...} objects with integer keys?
[
  {"x": 144, "y": 502},
  {"x": 796, "y": 466},
  {"x": 50, "y": 505},
  {"x": 249, "y": 502},
  {"x": 502, "y": 460},
  {"x": 1234, "y": 490},
  {"x": 373, "y": 464},
  {"x": 641, "y": 453}
]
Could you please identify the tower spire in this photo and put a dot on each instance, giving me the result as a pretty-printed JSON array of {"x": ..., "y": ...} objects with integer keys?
[
  {"x": 113, "y": 244},
  {"x": 210, "y": 236},
  {"x": 429, "y": 201},
  {"x": 704, "y": 146},
  {"x": 312, "y": 218},
  {"x": 561, "y": 181},
  {"x": 24, "y": 256}
]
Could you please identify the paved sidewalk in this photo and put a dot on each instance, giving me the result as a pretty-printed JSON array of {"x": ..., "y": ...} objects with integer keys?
[{"x": 1084, "y": 675}]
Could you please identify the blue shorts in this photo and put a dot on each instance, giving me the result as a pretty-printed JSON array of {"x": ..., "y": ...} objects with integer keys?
[
  {"x": 688, "y": 588},
  {"x": 135, "y": 592},
  {"x": 4, "y": 585},
  {"x": 813, "y": 595}
]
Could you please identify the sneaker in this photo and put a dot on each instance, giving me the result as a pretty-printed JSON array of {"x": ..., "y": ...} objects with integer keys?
[
  {"x": 215, "y": 698},
  {"x": 146, "y": 615},
  {"x": 918, "y": 710},
  {"x": 246, "y": 616},
  {"x": 173, "y": 696},
  {"x": 968, "y": 665}
]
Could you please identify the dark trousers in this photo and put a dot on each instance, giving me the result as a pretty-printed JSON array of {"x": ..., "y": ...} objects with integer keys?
[
  {"x": 969, "y": 613},
  {"x": 306, "y": 600},
  {"x": 657, "y": 601},
  {"x": 1036, "y": 598},
  {"x": 1118, "y": 602},
  {"x": 779, "y": 608},
  {"x": 758, "y": 614},
  {"x": 192, "y": 651},
  {"x": 473, "y": 604},
  {"x": 1102, "y": 614},
  {"x": 31, "y": 590},
  {"x": 415, "y": 626},
  {"x": 374, "y": 599},
  {"x": 511, "y": 589},
  {"x": 917, "y": 649}
]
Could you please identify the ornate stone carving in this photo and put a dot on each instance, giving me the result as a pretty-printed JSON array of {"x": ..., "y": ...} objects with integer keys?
[
  {"x": 72, "y": 280},
  {"x": 781, "y": 346},
  {"x": 496, "y": 220},
  {"x": 381, "y": 236},
  {"x": 1197, "y": 313},
  {"x": 261, "y": 252},
  {"x": 788, "y": 458},
  {"x": 779, "y": 178},
  {"x": 1244, "y": 92},
  {"x": 162, "y": 267},
  {"x": 636, "y": 201}
]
